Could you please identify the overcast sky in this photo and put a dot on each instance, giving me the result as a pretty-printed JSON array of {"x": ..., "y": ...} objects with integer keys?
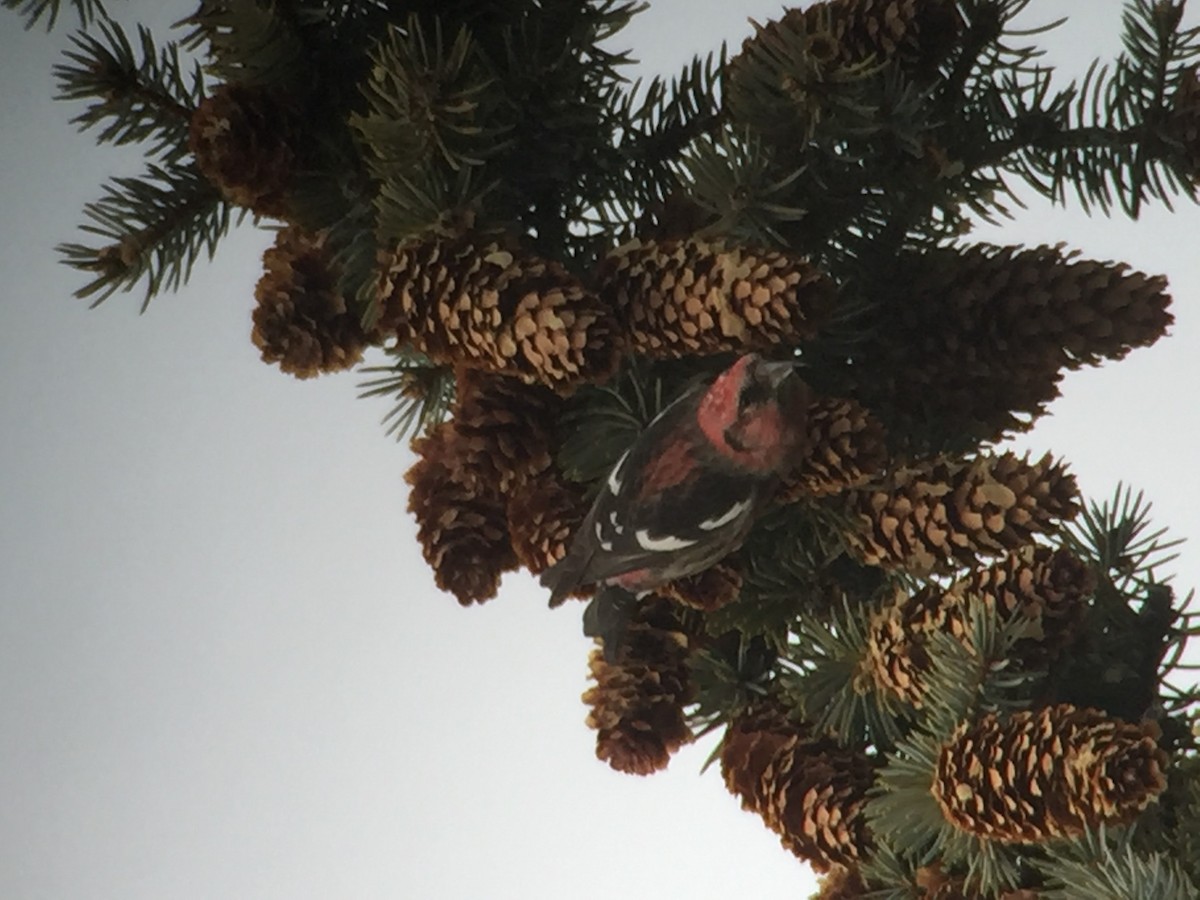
[{"x": 224, "y": 668}]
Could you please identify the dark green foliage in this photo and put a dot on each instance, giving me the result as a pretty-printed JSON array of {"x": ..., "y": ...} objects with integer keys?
[
  {"x": 830, "y": 687},
  {"x": 34, "y": 10},
  {"x": 421, "y": 392},
  {"x": 1113, "y": 145},
  {"x": 601, "y": 422},
  {"x": 155, "y": 228},
  {"x": 653, "y": 123},
  {"x": 1135, "y": 624},
  {"x": 148, "y": 99},
  {"x": 730, "y": 674},
  {"x": 1107, "y": 867}
]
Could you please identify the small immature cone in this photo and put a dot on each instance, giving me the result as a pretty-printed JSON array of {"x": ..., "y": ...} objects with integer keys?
[
  {"x": 462, "y": 523},
  {"x": 694, "y": 297},
  {"x": 637, "y": 702},
  {"x": 302, "y": 321},
  {"x": 951, "y": 513},
  {"x": 1046, "y": 774},
  {"x": 936, "y": 884},
  {"x": 1049, "y": 586},
  {"x": 846, "y": 447},
  {"x": 841, "y": 883},
  {"x": 808, "y": 789},
  {"x": 244, "y": 139},
  {"x": 470, "y": 302}
]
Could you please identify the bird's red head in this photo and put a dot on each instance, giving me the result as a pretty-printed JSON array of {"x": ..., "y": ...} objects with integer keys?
[{"x": 742, "y": 416}]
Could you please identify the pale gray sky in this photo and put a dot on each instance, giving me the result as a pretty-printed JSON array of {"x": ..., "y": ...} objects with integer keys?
[{"x": 224, "y": 668}]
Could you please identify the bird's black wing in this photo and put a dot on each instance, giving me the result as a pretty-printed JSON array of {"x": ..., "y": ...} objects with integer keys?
[
  {"x": 667, "y": 503},
  {"x": 684, "y": 526}
]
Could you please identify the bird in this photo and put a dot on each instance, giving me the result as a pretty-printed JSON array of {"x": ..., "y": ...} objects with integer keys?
[{"x": 686, "y": 493}]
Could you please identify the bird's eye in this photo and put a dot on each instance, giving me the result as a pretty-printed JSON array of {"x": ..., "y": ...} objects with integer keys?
[{"x": 753, "y": 394}]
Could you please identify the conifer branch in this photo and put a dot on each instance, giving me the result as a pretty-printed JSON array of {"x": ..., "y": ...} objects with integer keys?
[
  {"x": 33, "y": 11},
  {"x": 250, "y": 42},
  {"x": 156, "y": 226},
  {"x": 421, "y": 393},
  {"x": 147, "y": 99},
  {"x": 424, "y": 94},
  {"x": 1094, "y": 869}
]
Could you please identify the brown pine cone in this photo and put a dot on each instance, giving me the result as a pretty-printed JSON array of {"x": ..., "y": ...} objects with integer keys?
[
  {"x": 470, "y": 302},
  {"x": 244, "y": 139},
  {"x": 505, "y": 427},
  {"x": 543, "y": 517},
  {"x": 1048, "y": 773},
  {"x": 950, "y": 513},
  {"x": 694, "y": 297},
  {"x": 973, "y": 342},
  {"x": 302, "y": 321},
  {"x": 808, "y": 789},
  {"x": 462, "y": 523},
  {"x": 841, "y": 883},
  {"x": 1048, "y": 586},
  {"x": 637, "y": 701},
  {"x": 846, "y": 447},
  {"x": 708, "y": 590}
]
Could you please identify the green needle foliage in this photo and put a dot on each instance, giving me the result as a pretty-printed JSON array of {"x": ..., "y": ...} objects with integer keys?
[
  {"x": 154, "y": 229},
  {"x": 132, "y": 100},
  {"x": 933, "y": 666},
  {"x": 34, "y": 11}
]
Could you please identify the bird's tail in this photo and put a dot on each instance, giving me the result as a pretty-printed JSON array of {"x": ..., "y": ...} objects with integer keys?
[{"x": 607, "y": 618}]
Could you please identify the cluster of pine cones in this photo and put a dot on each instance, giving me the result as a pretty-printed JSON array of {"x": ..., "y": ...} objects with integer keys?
[{"x": 979, "y": 336}]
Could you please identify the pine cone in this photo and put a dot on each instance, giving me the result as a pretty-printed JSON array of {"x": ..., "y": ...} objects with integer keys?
[
  {"x": 896, "y": 658},
  {"x": 918, "y": 32},
  {"x": 936, "y": 884},
  {"x": 1049, "y": 586},
  {"x": 708, "y": 590},
  {"x": 302, "y": 321},
  {"x": 973, "y": 342},
  {"x": 505, "y": 427},
  {"x": 1041, "y": 583},
  {"x": 637, "y": 702},
  {"x": 841, "y": 883},
  {"x": 543, "y": 516},
  {"x": 846, "y": 447},
  {"x": 481, "y": 306},
  {"x": 778, "y": 77},
  {"x": 462, "y": 524},
  {"x": 949, "y": 513},
  {"x": 751, "y": 742},
  {"x": 686, "y": 298},
  {"x": 244, "y": 139},
  {"x": 808, "y": 789},
  {"x": 1046, "y": 774}
]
